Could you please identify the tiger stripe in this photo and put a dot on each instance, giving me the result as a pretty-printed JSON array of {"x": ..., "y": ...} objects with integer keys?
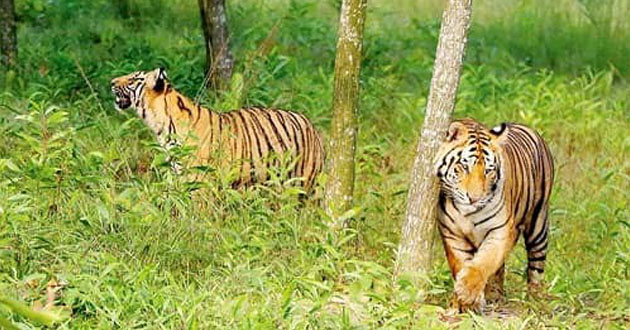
[
  {"x": 495, "y": 186},
  {"x": 246, "y": 140}
]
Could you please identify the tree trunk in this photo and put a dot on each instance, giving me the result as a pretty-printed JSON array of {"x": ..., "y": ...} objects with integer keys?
[
  {"x": 418, "y": 231},
  {"x": 340, "y": 186},
  {"x": 8, "y": 34},
  {"x": 219, "y": 62}
]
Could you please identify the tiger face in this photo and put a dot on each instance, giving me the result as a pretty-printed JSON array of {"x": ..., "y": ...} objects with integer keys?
[
  {"x": 469, "y": 163},
  {"x": 130, "y": 90}
]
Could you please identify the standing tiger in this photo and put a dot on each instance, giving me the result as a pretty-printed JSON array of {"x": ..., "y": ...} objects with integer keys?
[
  {"x": 494, "y": 185},
  {"x": 245, "y": 140}
]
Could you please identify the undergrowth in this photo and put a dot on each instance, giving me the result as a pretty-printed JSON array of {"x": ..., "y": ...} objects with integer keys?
[{"x": 87, "y": 200}]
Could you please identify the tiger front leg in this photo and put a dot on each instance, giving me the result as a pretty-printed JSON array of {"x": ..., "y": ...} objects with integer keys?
[
  {"x": 469, "y": 289},
  {"x": 472, "y": 279},
  {"x": 458, "y": 252}
]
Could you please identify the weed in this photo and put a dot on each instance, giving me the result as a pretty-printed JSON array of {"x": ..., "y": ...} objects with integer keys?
[{"x": 87, "y": 198}]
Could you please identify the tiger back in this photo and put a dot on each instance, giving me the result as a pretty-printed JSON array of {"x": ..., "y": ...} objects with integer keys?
[
  {"x": 494, "y": 186},
  {"x": 249, "y": 141}
]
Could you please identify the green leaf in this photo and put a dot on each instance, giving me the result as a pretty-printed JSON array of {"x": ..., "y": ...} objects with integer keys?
[
  {"x": 57, "y": 118},
  {"x": 6, "y": 324},
  {"x": 351, "y": 213},
  {"x": 47, "y": 318}
]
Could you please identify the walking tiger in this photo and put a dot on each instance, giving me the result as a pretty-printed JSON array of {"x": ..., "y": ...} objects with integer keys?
[{"x": 494, "y": 186}]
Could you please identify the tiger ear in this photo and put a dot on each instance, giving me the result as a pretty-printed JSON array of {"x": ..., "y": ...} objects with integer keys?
[
  {"x": 499, "y": 132},
  {"x": 455, "y": 131},
  {"x": 160, "y": 80}
]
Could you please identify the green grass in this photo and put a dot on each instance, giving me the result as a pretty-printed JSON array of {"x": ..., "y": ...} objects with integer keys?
[{"x": 86, "y": 200}]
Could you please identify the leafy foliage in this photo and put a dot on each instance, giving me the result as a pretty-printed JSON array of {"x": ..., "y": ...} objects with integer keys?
[{"x": 87, "y": 198}]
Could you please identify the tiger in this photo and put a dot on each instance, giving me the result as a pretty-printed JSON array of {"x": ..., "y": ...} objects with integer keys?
[
  {"x": 494, "y": 186},
  {"x": 244, "y": 140}
]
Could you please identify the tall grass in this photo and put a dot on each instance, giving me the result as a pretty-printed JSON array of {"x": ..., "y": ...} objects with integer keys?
[{"x": 87, "y": 200}]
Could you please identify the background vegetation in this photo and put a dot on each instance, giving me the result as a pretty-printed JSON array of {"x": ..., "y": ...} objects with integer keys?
[{"x": 86, "y": 202}]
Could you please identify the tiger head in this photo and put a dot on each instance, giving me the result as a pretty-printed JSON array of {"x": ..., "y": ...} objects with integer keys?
[
  {"x": 138, "y": 88},
  {"x": 469, "y": 163}
]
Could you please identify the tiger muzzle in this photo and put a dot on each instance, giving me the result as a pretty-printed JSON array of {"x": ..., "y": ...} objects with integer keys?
[{"x": 122, "y": 101}]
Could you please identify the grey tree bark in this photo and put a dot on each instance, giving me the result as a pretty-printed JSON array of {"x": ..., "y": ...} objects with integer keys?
[
  {"x": 418, "y": 231},
  {"x": 340, "y": 186},
  {"x": 8, "y": 34},
  {"x": 219, "y": 61}
]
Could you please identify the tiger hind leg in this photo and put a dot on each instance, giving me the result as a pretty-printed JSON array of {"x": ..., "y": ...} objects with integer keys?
[{"x": 536, "y": 241}]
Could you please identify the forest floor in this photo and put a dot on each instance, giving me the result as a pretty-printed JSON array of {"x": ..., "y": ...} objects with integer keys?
[{"x": 88, "y": 204}]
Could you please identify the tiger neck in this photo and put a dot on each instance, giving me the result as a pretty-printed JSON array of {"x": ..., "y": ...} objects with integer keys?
[{"x": 170, "y": 115}]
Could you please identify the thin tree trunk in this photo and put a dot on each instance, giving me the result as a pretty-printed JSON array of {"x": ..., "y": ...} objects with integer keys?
[
  {"x": 219, "y": 61},
  {"x": 340, "y": 186},
  {"x": 8, "y": 34},
  {"x": 418, "y": 231}
]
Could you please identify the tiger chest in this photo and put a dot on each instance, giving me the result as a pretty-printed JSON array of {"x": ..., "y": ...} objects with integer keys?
[{"x": 470, "y": 223}]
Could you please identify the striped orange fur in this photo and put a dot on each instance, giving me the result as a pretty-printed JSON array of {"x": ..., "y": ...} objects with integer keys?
[
  {"x": 249, "y": 140},
  {"x": 495, "y": 186}
]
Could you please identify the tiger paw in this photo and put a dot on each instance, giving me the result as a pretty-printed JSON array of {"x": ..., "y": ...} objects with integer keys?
[
  {"x": 538, "y": 291},
  {"x": 469, "y": 287},
  {"x": 453, "y": 306},
  {"x": 534, "y": 288},
  {"x": 477, "y": 307}
]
